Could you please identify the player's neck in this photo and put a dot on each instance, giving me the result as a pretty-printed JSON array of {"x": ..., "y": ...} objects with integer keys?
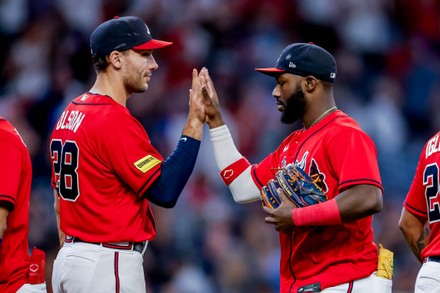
[
  {"x": 321, "y": 114},
  {"x": 104, "y": 87}
]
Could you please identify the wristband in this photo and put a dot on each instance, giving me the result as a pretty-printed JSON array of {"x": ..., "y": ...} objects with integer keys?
[
  {"x": 232, "y": 171},
  {"x": 322, "y": 214}
]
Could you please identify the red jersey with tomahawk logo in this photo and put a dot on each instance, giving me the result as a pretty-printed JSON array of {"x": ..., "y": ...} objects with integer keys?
[
  {"x": 102, "y": 163},
  {"x": 15, "y": 189},
  {"x": 342, "y": 155},
  {"x": 423, "y": 198}
]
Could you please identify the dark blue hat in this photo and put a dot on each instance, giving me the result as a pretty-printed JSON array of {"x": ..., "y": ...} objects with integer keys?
[
  {"x": 304, "y": 59},
  {"x": 123, "y": 33}
]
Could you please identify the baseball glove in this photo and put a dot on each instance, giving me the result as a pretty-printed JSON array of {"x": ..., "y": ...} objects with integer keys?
[{"x": 296, "y": 185}]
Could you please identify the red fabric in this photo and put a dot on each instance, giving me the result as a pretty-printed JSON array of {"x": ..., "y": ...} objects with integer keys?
[
  {"x": 232, "y": 171},
  {"x": 15, "y": 188},
  {"x": 37, "y": 267},
  {"x": 326, "y": 213},
  {"x": 423, "y": 198},
  {"x": 108, "y": 206},
  {"x": 342, "y": 155}
]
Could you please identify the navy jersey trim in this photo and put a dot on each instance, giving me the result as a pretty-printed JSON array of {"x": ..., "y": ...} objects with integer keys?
[
  {"x": 415, "y": 209},
  {"x": 349, "y": 182},
  {"x": 254, "y": 173},
  {"x": 148, "y": 181}
]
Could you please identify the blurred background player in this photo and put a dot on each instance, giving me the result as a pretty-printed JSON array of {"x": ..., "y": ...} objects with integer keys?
[
  {"x": 15, "y": 190},
  {"x": 420, "y": 219},
  {"x": 105, "y": 169},
  {"x": 327, "y": 247}
]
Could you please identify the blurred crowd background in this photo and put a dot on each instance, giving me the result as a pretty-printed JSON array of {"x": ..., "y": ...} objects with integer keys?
[{"x": 388, "y": 54}]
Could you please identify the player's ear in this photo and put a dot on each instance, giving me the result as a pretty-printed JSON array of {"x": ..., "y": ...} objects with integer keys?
[
  {"x": 114, "y": 58},
  {"x": 310, "y": 83}
]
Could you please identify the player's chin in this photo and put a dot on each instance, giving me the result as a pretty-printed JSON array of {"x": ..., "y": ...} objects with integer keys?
[
  {"x": 141, "y": 89},
  {"x": 144, "y": 86},
  {"x": 280, "y": 108}
]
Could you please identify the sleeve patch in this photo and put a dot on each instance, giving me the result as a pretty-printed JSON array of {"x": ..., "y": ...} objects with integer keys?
[{"x": 146, "y": 163}]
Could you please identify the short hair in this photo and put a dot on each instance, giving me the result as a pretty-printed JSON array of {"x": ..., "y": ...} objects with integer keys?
[{"x": 101, "y": 62}]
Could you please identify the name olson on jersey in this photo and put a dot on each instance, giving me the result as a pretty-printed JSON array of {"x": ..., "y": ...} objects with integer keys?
[
  {"x": 432, "y": 146},
  {"x": 70, "y": 120}
]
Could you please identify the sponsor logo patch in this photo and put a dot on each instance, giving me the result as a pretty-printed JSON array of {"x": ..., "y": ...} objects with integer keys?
[{"x": 146, "y": 163}]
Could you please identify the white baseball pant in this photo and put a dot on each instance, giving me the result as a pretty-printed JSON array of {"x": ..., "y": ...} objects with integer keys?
[
  {"x": 428, "y": 278},
  {"x": 371, "y": 284},
  {"x": 86, "y": 267}
]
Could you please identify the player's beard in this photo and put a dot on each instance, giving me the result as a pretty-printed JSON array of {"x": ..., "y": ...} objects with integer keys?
[
  {"x": 135, "y": 83},
  {"x": 295, "y": 107}
]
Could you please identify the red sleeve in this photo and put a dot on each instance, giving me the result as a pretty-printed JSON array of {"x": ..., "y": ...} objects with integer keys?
[
  {"x": 415, "y": 203},
  {"x": 135, "y": 160},
  {"x": 10, "y": 169},
  {"x": 353, "y": 156},
  {"x": 267, "y": 168}
]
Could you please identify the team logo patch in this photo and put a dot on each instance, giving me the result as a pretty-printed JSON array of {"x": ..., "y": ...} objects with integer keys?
[{"x": 146, "y": 163}]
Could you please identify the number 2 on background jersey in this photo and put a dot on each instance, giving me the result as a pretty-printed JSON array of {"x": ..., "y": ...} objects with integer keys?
[
  {"x": 431, "y": 181},
  {"x": 65, "y": 163}
]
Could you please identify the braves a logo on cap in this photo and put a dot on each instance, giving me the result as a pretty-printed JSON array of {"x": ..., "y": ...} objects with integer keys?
[
  {"x": 292, "y": 65},
  {"x": 148, "y": 30}
]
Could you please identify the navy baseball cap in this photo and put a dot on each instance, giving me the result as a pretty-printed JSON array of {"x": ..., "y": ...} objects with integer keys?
[
  {"x": 123, "y": 33},
  {"x": 304, "y": 59}
]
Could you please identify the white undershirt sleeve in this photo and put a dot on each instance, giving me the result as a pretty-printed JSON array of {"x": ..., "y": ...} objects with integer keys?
[{"x": 243, "y": 188}]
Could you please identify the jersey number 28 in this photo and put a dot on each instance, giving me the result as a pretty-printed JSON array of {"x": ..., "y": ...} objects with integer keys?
[{"x": 65, "y": 164}]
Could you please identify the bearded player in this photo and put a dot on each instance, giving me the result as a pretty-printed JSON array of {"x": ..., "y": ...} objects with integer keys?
[
  {"x": 105, "y": 170},
  {"x": 326, "y": 247}
]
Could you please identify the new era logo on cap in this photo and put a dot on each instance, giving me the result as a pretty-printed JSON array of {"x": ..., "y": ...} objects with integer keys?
[
  {"x": 304, "y": 59},
  {"x": 123, "y": 33}
]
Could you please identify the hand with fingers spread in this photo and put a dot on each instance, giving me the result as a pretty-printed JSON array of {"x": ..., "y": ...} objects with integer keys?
[
  {"x": 281, "y": 217},
  {"x": 196, "y": 115},
  {"x": 213, "y": 113}
]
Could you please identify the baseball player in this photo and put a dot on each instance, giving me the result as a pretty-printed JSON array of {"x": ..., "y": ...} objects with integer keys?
[
  {"x": 420, "y": 219},
  {"x": 15, "y": 189},
  {"x": 327, "y": 247},
  {"x": 105, "y": 170}
]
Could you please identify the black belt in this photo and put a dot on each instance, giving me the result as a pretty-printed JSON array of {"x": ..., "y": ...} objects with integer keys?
[
  {"x": 433, "y": 258},
  {"x": 135, "y": 246}
]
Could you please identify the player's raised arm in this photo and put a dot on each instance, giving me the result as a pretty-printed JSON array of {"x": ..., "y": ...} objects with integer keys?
[
  {"x": 235, "y": 170},
  {"x": 180, "y": 164}
]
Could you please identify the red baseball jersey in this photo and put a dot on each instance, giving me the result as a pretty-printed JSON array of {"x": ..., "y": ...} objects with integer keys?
[
  {"x": 423, "y": 198},
  {"x": 102, "y": 163},
  {"x": 342, "y": 155},
  {"x": 15, "y": 188}
]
